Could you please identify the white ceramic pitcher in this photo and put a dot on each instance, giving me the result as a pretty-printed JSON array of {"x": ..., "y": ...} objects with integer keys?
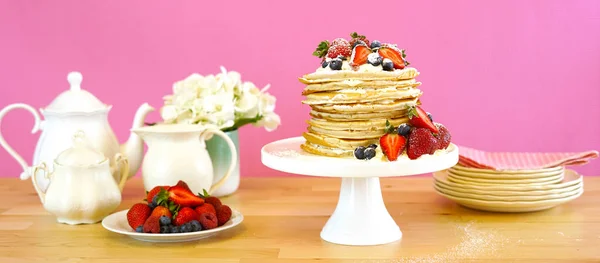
[{"x": 178, "y": 152}]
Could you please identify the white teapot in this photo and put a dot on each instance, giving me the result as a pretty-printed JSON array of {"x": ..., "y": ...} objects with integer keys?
[
  {"x": 82, "y": 189},
  {"x": 73, "y": 110}
]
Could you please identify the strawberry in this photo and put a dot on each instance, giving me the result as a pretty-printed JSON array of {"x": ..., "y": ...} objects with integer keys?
[
  {"x": 153, "y": 192},
  {"x": 205, "y": 208},
  {"x": 339, "y": 50},
  {"x": 394, "y": 54},
  {"x": 420, "y": 141},
  {"x": 443, "y": 137},
  {"x": 161, "y": 211},
  {"x": 417, "y": 117},
  {"x": 181, "y": 196},
  {"x": 138, "y": 214},
  {"x": 223, "y": 214},
  {"x": 391, "y": 143},
  {"x": 356, "y": 38},
  {"x": 152, "y": 225},
  {"x": 183, "y": 184},
  {"x": 208, "y": 221},
  {"x": 359, "y": 55},
  {"x": 185, "y": 215}
]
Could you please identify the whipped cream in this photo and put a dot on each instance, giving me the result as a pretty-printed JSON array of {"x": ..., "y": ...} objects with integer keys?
[{"x": 346, "y": 66}]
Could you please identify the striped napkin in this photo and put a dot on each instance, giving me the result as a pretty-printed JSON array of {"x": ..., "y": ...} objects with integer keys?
[{"x": 520, "y": 161}]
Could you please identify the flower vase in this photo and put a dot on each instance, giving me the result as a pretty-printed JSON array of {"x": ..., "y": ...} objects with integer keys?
[{"x": 220, "y": 156}]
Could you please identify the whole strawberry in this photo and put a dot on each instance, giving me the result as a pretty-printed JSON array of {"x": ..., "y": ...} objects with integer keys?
[
  {"x": 223, "y": 214},
  {"x": 356, "y": 38},
  {"x": 137, "y": 215},
  {"x": 205, "y": 208},
  {"x": 443, "y": 137},
  {"x": 391, "y": 143},
  {"x": 154, "y": 191},
  {"x": 185, "y": 215},
  {"x": 420, "y": 141},
  {"x": 161, "y": 211}
]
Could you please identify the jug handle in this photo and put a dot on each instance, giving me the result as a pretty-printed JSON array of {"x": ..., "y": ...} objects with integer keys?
[
  {"x": 123, "y": 164},
  {"x": 44, "y": 168},
  {"x": 36, "y": 127},
  {"x": 205, "y": 135}
]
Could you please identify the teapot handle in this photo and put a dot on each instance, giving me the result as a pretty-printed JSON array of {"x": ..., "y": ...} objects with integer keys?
[
  {"x": 36, "y": 127},
  {"x": 232, "y": 163},
  {"x": 44, "y": 168},
  {"x": 123, "y": 164}
]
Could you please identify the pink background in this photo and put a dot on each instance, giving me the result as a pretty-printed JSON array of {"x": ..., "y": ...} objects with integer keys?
[{"x": 502, "y": 75}]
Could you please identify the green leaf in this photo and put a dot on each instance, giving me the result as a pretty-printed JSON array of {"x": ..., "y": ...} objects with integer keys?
[
  {"x": 356, "y": 35},
  {"x": 322, "y": 49},
  {"x": 389, "y": 128},
  {"x": 244, "y": 121},
  {"x": 412, "y": 112}
]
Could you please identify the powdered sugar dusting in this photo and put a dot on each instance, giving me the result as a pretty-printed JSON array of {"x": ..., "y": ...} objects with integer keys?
[{"x": 286, "y": 153}]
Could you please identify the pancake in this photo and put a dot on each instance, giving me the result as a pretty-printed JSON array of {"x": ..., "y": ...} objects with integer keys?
[
  {"x": 360, "y": 95},
  {"x": 354, "y": 83},
  {"x": 339, "y": 75},
  {"x": 372, "y": 124},
  {"x": 325, "y": 151},
  {"x": 347, "y": 134},
  {"x": 345, "y": 144},
  {"x": 357, "y": 116},
  {"x": 375, "y": 106}
]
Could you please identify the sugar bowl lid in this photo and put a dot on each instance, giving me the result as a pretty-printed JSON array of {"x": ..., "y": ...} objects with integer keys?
[
  {"x": 75, "y": 99},
  {"x": 81, "y": 153}
]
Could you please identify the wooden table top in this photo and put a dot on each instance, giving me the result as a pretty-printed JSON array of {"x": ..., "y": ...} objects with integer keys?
[{"x": 283, "y": 219}]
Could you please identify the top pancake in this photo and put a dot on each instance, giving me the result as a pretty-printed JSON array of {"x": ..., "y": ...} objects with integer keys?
[{"x": 340, "y": 75}]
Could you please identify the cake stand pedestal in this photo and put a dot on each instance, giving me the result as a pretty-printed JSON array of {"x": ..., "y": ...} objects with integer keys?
[{"x": 360, "y": 217}]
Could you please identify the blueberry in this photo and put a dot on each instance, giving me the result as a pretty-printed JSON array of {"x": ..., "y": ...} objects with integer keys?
[
  {"x": 325, "y": 64},
  {"x": 374, "y": 146},
  {"x": 196, "y": 226},
  {"x": 341, "y": 57},
  {"x": 359, "y": 42},
  {"x": 369, "y": 153},
  {"x": 375, "y": 44},
  {"x": 404, "y": 129},
  {"x": 165, "y": 229},
  {"x": 185, "y": 228},
  {"x": 164, "y": 220},
  {"x": 387, "y": 64},
  {"x": 139, "y": 229},
  {"x": 174, "y": 229},
  {"x": 429, "y": 115},
  {"x": 359, "y": 152},
  {"x": 151, "y": 205},
  {"x": 155, "y": 200},
  {"x": 374, "y": 59},
  {"x": 335, "y": 64}
]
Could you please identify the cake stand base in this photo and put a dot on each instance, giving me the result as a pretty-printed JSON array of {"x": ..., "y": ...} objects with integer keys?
[{"x": 361, "y": 217}]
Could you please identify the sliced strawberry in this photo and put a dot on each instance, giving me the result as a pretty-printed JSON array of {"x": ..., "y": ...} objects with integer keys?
[
  {"x": 184, "y": 197},
  {"x": 420, "y": 141},
  {"x": 359, "y": 55},
  {"x": 391, "y": 143},
  {"x": 183, "y": 184},
  {"x": 393, "y": 54},
  {"x": 417, "y": 117}
]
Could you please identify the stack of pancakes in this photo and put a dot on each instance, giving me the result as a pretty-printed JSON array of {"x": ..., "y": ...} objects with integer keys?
[{"x": 350, "y": 108}]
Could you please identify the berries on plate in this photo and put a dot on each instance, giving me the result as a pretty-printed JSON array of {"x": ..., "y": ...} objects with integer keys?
[
  {"x": 185, "y": 215},
  {"x": 359, "y": 152},
  {"x": 417, "y": 117},
  {"x": 137, "y": 215},
  {"x": 387, "y": 64},
  {"x": 375, "y": 44},
  {"x": 360, "y": 54},
  {"x": 420, "y": 141},
  {"x": 339, "y": 50},
  {"x": 374, "y": 59},
  {"x": 208, "y": 221},
  {"x": 223, "y": 214},
  {"x": 370, "y": 153},
  {"x": 153, "y": 192},
  {"x": 443, "y": 137},
  {"x": 205, "y": 208},
  {"x": 391, "y": 143},
  {"x": 404, "y": 129},
  {"x": 394, "y": 54}
]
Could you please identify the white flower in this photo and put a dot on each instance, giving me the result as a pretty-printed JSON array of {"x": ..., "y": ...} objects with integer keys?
[{"x": 219, "y": 101}]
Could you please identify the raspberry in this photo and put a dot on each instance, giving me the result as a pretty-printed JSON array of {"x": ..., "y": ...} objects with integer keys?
[
  {"x": 223, "y": 214},
  {"x": 152, "y": 225},
  {"x": 215, "y": 202},
  {"x": 208, "y": 221},
  {"x": 340, "y": 42},
  {"x": 443, "y": 137},
  {"x": 335, "y": 51},
  {"x": 206, "y": 208}
]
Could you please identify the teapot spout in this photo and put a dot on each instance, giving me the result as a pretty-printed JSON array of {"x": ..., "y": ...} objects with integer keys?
[{"x": 133, "y": 148}]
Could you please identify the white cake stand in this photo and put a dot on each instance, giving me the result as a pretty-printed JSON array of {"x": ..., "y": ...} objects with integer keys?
[{"x": 360, "y": 217}]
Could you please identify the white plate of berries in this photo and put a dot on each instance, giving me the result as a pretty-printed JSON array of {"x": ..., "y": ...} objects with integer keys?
[{"x": 174, "y": 214}]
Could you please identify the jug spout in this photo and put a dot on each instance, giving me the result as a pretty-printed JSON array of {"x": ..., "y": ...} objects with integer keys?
[{"x": 133, "y": 148}]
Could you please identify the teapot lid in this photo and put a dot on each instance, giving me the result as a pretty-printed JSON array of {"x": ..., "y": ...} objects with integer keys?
[
  {"x": 75, "y": 99},
  {"x": 81, "y": 153}
]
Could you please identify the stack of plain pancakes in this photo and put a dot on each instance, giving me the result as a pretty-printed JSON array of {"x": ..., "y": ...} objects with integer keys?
[{"x": 350, "y": 108}]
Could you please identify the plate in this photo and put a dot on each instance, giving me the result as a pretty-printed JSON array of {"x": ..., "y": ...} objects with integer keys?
[
  {"x": 509, "y": 193},
  {"x": 117, "y": 222},
  {"x": 571, "y": 178},
  {"x": 544, "y": 180},
  {"x": 509, "y": 198},
  {"x": 511, "y": 207},
  {"x": 505, "y": 176},
  {"x": 489, "y": 171}
]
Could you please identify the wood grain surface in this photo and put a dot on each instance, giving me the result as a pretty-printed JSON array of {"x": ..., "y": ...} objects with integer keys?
[{"x": 283, "y": 219}]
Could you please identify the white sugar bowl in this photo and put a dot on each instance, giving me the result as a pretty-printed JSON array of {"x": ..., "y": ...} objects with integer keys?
[{"x": 82, "y": 189}]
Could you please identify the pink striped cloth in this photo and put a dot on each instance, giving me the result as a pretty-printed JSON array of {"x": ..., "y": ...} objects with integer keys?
[{"x": 520, "y": 161}]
